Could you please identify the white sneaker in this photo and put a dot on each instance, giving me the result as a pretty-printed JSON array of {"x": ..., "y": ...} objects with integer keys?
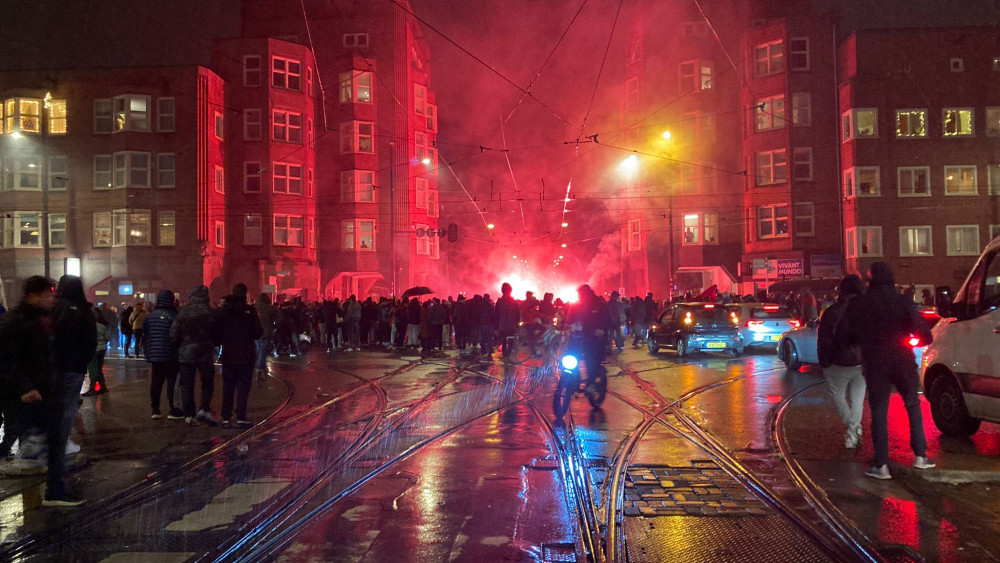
[
  {"x": 72, "y": 447},
  {"x": 879, "y": 472},
  {"x": 923, "y": 462},
  {"x": 850, "y": 440}
]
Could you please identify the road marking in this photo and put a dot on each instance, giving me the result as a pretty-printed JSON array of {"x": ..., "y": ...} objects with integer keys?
[{"x": 231, "y": 503}]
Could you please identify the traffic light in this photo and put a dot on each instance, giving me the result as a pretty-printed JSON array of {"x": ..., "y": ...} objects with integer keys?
[{"x": 452, "y": 232}]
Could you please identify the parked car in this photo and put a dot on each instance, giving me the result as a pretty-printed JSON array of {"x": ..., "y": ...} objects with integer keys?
[
  {"x": 960, "y": 371},
  {"x": 762, "y": 324},
  {"x": 694, "y": 327}
]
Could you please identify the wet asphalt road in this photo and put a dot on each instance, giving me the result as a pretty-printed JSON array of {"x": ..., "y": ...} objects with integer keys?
[{"x": 378, "y": 457}]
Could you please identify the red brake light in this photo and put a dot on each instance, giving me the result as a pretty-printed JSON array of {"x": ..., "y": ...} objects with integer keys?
[
  {"x": 929, "y": 314},
  {"x": 795, "y": 323},
  {"x": 710, "y": 306},
  {"x": 754, "y": 323},
  {"x": 914, "y": 342},
  {"x": 771, "y": 307}
]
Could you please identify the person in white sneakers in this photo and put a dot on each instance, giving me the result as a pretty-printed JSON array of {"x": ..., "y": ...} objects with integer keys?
[{"x": 842, "y": 364}]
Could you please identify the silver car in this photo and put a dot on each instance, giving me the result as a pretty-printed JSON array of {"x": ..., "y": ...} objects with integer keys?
[{"x": 762, "y": 324}]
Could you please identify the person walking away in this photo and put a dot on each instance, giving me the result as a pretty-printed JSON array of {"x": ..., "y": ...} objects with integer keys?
[
  {"x": 138, "y": 317},
  {"x": 162, "y": 355},
  {"x": 125, "y": 328},
  {"x": 413, "y": 323},
  {"x": 638, "y": 311},
  {"x": 459, "y": 319},
  {"x": 268, "y": 316},
  {"x": 96, "y": 366},
  {"x": 616, "y": 319},
  {"x": 842, "y": 364},
  {"x": 240, "y": 328},
  {"x": 487, "y": 325},
  {"x": 808, "y": 307},
  {"x": 352, "y": 316},
  {"x": 426, "y": 338},
  {"x": 508, "y": 315},
  {"x": 438, "y": 319},
  {"x": 880, "y": 322},
  {"x": 195, "y": 333}
]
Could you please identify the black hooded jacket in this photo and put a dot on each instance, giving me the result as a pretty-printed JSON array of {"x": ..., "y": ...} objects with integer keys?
[
  {"x": 827, "y": 349},
  {"x": 75, "y": 327},
  {"x": 159, "y": 347},
  {"x": 240, "y": 328},
  {"x": 195, "y": 332},
  {"x": 26, "y": 350}
]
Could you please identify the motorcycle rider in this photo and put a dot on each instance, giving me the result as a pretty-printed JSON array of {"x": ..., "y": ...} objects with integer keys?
[{"x": 589, "y": 319}]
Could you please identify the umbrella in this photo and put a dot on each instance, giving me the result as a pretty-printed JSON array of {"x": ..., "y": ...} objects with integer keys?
[{"x": 417, "y": 291}]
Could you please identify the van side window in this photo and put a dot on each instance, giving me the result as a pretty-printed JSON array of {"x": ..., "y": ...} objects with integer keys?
[
  {"x": 990, "y": 297},
  {"x": 969, "y": 301}
]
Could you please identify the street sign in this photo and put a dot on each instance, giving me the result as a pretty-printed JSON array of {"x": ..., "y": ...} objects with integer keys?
[{"x": 825, "y": 266}]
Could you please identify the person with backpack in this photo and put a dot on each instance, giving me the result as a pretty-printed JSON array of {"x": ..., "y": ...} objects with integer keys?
[{"x": 842, "y": 364}]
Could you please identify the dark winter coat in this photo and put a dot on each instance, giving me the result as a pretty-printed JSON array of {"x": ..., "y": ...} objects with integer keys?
[
  {"x": 124, "y": 324},
  {"x": 26, "y": 350},
  {"x": 240, "y": 327},
  {"x": 508, "y": 314},
  {"x": 267, "y": 314},
  {"x": 438, "y": 315},
  {"x": 413, "y": 312},
  {"x": 158, "y": 345},
  {"x": 829, "y": 352},
  {"x": 75, "y": 327},
  {"x": 196, "y": 330}
]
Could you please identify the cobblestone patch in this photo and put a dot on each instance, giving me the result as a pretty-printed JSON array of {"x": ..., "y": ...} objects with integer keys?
[{"x": 699, "y": 489}]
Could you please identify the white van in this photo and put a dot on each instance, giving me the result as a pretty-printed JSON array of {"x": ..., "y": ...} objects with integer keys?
[{"x": 960, "y": 370}]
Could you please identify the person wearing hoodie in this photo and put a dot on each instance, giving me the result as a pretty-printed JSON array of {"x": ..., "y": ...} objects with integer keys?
[
  {"x": 137, "y": 318},
  {"x": 842, "y": 364},
  {"x": 96, "y": 366},
  {"x": 268, "y": 316},
  {"x": 161, "y": 353},
  {"x": 881, "y": 322},
  {"x": 240, "y": 328},
  {"x": 195, "y": 333}
]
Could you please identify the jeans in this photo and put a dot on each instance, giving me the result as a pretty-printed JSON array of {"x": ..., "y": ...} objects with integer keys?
[
  {"x": 847, "y": 386},
  {"x": 139, "y": 341},
  {"x": 60, "y": 408},
  {"x": 353, "y": 334},
  {"x": 128, "y": 343},
  {"x": 162, "y": 372},
  {"x": 236, "y": 380},
  {"x": 263, "y": 349},
  {"x": 880, "y": 382},
  {"x": 207, "y": 370}
]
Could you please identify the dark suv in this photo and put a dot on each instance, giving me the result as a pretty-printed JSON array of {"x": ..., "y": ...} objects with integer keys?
[{"x": 694, "y": 327}]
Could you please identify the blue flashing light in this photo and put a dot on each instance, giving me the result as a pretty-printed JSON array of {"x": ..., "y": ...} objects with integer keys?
[{"x": 569, "y": 361}]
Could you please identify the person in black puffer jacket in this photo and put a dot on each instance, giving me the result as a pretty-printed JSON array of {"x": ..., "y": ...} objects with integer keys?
[
  {"x": 240, "y": 328},
  {"x": 162, "y": 353},
  {"x": 195, "y": 333},
  {"x": 880, "y": 322},
  {"x": 842, "y": 365}
]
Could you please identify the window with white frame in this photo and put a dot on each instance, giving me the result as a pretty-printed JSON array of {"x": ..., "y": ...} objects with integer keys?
[
  {"x": 994, "y": 231},
  {"x": 102, "y": 171},
  {"x": 957, "y": 122},
  {"x": 802, "y": 108},
  {"x": 287, "y": 126},
  {"x": 57, "y": 117},
  {"x": 960, "y": 180},
  {"x": 366, "y": 235},
  {"x": 23, "y": 172},
  {"x": 220, "y": 128},
  {"x": 357, "y": 137},
  {"x": 166, "y": 228},
  {"x": 220, "y": 179},
  {"x": 288, "y": 230},
  {"x": 166, "y": 115},
  {"x": 432, "y": 203},
  {"x": 802, "y": 163},
  {"x": 993, "y": 173},
  {"x": 769, "y": 58},
  {"x": 805, "y": 219},
  {"x": 432, "y": 119},
  {"x": 309, "y": 80},
  {"x": 798, "y": 53},
  {"x": 632, "y": 93},
  {"x": 421, "y": 193},
  {"x": 251, "y": 177},
  {"x": 140, "y": 227},
  {"x": 634, "y": 235},
  {"x": 993, "y": 122},
  {"x": 102, "y": 229},
  {"x": 916, "y": 241},
  {"x": 27, "y": 229},
  {"x": 421, "y": 148},
  {"x": 220, "y": 234},
  {"x": 695, "y": 76},
  {"x": 772, "y": 167},
  {"x": 348, "y": 236},
  {"x": 251, "y": 125},
  {"x": 166, "y": 170},
  {"x": 287, "y": 178},
  {"x": 119, "y": 235},
  {"x": 356, "y": 87},
  {"x": 434, "y": 247},
  {"x": 849, "y": 183},
  {"x": 419, "y": 99},
  {"x": 57, "y": 230},
  {"x": 358, "y": 185},
  {"x": 867, "y": 181},
  {"x": 423, "y": 243},
  {"x": 963, "y": 240},
  {"x": 131, "y": 113},
  {"x": 286, "y": 73},
  {"x": 310, "y": 185},
  {"x": 911, "y": 123},
  {"x": 769, "y": 113},
  {"x": 869, "y": 241},
  {"x": 311, "y": 232},
  {"x": 23, "y": 115},
  {"x": 103, "y": 116},
  {"x": 355, "y": 40},
  {"x": 772, "y": 221},
  {"x": 700, "y": 228},
  {"x": 860, "y": 123},
  {"x": 253, "y": 230},
  {"x": 131, "y": 169},
  {"x": 58, "y": 173},
  {"x": 914, "y": 181},
  {"x": 251, "y": 71}
]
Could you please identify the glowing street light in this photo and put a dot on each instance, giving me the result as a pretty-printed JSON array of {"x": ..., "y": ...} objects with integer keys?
[
  {"x": 564, "y": 245},
  {"x": 629, "y": 166},
  {"x": 666, "y": 135},
  {"x": 565, "y": 224},
  {"x": 491, "y": 226}
]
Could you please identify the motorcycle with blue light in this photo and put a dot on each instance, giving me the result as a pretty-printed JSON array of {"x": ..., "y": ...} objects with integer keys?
[{"x": 574, "y": 380}]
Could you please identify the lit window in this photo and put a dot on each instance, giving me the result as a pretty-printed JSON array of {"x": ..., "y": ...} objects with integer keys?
[
  {"x": 220, "y": 234},
  {"x": 772, "y": 167},
  {"x": 166, "y": 231},
  {"x": 700, "y": 228},
  {"x": 963, "y": 240},
  {"x": 802, "y": 109},
  {"x": 23, "y": 115},
  {"x": 772, "y": 221},
  {"x": 356, "y": 86},
  {"x": 251, "y": 125},
  {"x": 219, "y": 127},
  {"x": 253, "y": 231},
  {"x": 960, "y": 180},
  {"x": 166, "y": 171},
  {"x": 287, "y": 126},
  {"x": 102, "y": 171},
  {"x": 102, "y": 229},
  {"x": 769, "y": 59},
  {"x": 957, "y": 122},
  {"x": 421, "y": 194},
  {"x": 914, "y": 181},
  {"x": 870, "y": 241},
  {"x": 287, "y": 178},
  {"x": 349, "y": 235},
  {"x": 911, "y": 123},
  {"x": 802, "y": 163},
  {"x": 421, "y": 148},
  {"x": 120, "y": 227},
  {"x": 769, "y": 113},
  {"x": 251, "y": 177},
  {"x": 859, "y": 123},
  {"x": 805, "y": 219},
  {"x": 288, "y": 230},
  {"x": 419, "y": 99},
  {"x": 58, "y": 179},
  {"x": 57, "y": 230},
  {"x": 103, "y": 116},
  {"x": 634, "y": 235},
  {"x": 166, "y": 115},
  {"x": 915, "y": 241},
  {"x": 358, "y": 186},
  {"x": 23, "y": 173},
  {"x": 993, "y": 121},
  {"x": 798, "y": 53},
  {"x": 695, "y": 76},
  {"x": 57, "y": 117},
  {"x": 867, "y": 181},
  {"x": 27, "y": 227},
  {"x": 286, "y": 73},
  {"x": 357, "y": 137},
  {"x": 140, "y": 227},
  {"x": 366, "y": 235},
  {"x": 220, "y": 180},
  {"x": 251, "y": 71},
  {"x": 131, "y": 113},
  {"x": 993, "y": 171}
]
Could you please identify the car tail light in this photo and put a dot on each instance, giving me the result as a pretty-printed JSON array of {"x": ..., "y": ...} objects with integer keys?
[
  {"x": 710, "y": 306},
  {"x": 771, "y": 307},
  {"x": 914, "y": 341},
  {"x": 795, "y": 323},
  {"x": 751, "y": 324},
  {"x": 929, "y": 314}
]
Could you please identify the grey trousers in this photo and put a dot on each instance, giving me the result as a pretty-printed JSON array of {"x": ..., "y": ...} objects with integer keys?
[{"x": 847, "y": 386}]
